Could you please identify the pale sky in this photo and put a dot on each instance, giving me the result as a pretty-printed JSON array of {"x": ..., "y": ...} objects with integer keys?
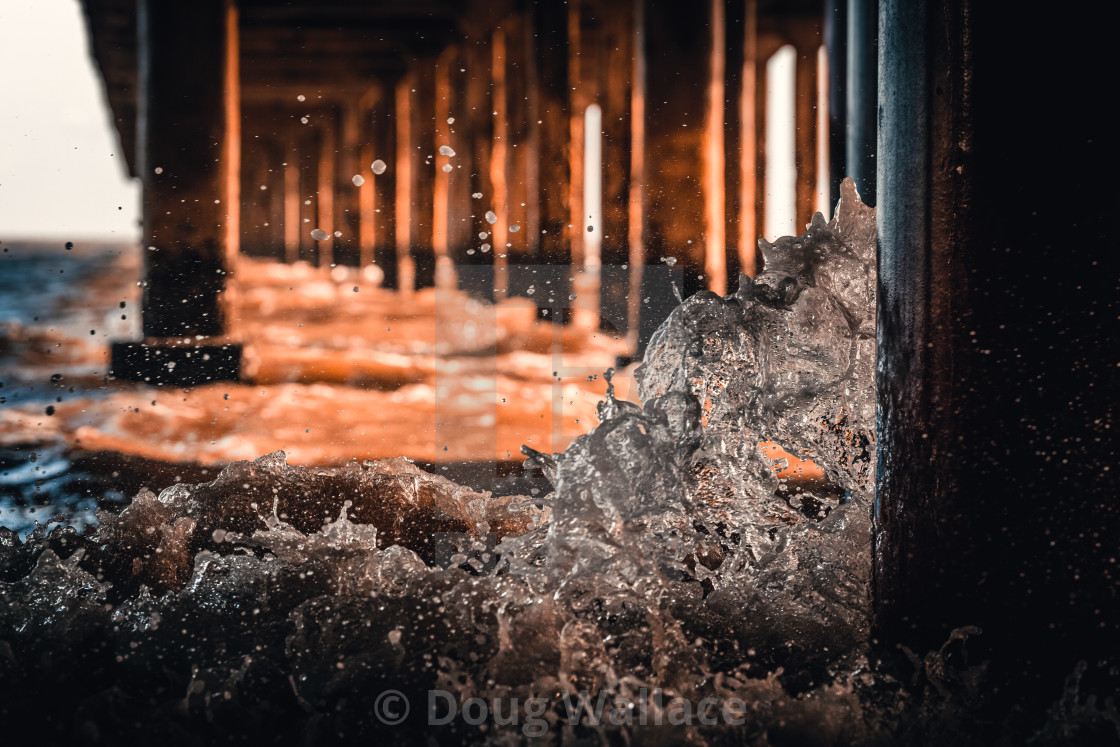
[{"x": 62, "y": 173}]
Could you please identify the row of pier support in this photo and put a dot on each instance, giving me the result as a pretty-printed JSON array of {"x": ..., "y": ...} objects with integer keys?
[{"x": 593, "y": 134}]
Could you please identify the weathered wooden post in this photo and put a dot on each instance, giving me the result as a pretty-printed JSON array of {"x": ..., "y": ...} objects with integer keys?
[
  {"x": 995, "y": 502},
  {"x": 348, "y": 194},
  {"x": 254, "y": 240},
  {"x": 550, "y": 25},
  {"x": 455, "y": 114},
  {"x": 522, "y": 152},
  {"x": 382, "y": 205},
  {"x": 614, "y": 39},
  {"x": 600, "y": 43},
  {"x": 325, "y": 186},
  {"x": 274, "y": 152},
  {"x": 189, "y": 158},
  {"x": 415, "y": 171},
  {"x": 750, "y": 115},
  {"x": 404, "y": 183},
  {"x": 678, "y": 40},
  {"x": 807, "y": 41},
  {"x": 715, "y": 229},
  {"x": 636, "y": 218},
  {"x": 367, "y": 195},
  {"x": 499, "y": 163},
  {"x": 599, "y": 75},
  {"x": 292, "y": 201},
  {"x": 443, "y": 218},
  {"x": 425, "y": 159}
]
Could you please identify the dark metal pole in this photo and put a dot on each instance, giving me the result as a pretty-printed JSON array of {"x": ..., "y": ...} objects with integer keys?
[
  {"x": 836, "y": 47},
  {"x": 995, "y": 504},
  {"x": 862, "y": 103}
]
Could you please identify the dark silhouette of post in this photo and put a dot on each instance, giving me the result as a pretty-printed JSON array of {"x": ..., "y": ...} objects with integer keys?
[
  {"x": 678, "y": 54},
  {"x": 995, "y": 501},
  {"x": 550, "y": 25},
  {"x": 835, "y": 36},
  {"x": 861, "y": 106},
  {"x": 188, "y": 162}
]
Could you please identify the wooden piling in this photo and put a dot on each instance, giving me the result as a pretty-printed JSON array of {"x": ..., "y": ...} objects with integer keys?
[
  {"x": 186, "y": 166},
  {"x": 406, "y": 268},
  {"x": 191, "y": 174},
  {"x": 749, "y": 144},
  {"x": 805, "y": 118},
  {"x": 715, "y": 244},
  {"x": 442, "y": 221},
  {"x": 499, "y": 164},
  {"x": 326, "y": 125}
]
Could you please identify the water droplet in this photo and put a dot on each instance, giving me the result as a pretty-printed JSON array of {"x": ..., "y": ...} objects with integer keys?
[
  {"x": 445, "y": 150},
  {"x": 447, "y": 168},
  {"x": 514, "y": 229},
  {"x": 319, "y": 234},
  {"x": 358, "y": 180},
  {"x": 477, "y": 195},
  {"x": 378, "y": 166},
  {"x": 491, "y": 217}
]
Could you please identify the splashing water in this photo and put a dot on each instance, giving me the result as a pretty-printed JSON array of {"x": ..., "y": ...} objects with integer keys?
[{"x": 669, "y": 557}]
